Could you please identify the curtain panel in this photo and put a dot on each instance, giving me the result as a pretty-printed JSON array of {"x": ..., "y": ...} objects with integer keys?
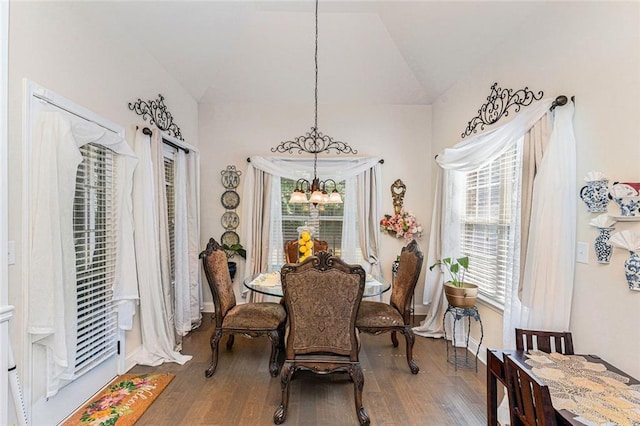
[
  {"x": 158, "y": 338},
  {"x": 51, "y": 316}
]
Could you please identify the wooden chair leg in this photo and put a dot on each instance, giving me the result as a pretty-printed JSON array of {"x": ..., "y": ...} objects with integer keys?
[
  {"x": 285, "y": 377},
  {"x": 215, "y": 339},
  {"x": 358, "y": 384},
  {"x": 394, "y": 339},
  {"x": 230, "y": 341},
  {"x": 410, "y": 339},
  {"x": 274, "y": 338}
]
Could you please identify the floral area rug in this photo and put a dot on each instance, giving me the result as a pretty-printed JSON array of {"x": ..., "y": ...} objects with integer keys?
[{"x": 122, "y": 402}]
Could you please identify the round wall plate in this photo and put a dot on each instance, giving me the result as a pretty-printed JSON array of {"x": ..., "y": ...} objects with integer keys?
[
  {"x": 230, "y": 177},
  {"x": 230, "y": 238},
  {"x": 230, "y": 220},
  {"x": 230, "y": 199}
]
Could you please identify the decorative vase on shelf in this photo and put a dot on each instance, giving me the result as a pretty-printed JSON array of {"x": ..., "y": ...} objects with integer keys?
[
  {"x": 632, "y": 270},
  {"x": 601, "y": 245},
  {"x": 596, "y": 195}
]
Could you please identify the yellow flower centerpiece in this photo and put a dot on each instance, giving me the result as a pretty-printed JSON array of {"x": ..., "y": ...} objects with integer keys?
[{"x": 305, "y": 242}]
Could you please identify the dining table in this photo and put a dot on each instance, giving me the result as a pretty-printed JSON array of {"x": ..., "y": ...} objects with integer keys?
[
  {"x": 268, "y": 283},
  {"x": 585, "y": 389}
]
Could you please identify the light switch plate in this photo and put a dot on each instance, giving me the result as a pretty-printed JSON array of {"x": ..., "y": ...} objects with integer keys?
[{"x": 582, "y": 252}]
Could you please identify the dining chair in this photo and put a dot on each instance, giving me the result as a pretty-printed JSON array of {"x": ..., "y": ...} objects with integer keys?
[
  {"x": 291, "y": 249},
  {"x": 322, "y": 295},
  {"x": 545, "y": 341},
  {"x": 379, "y": 317},
  {"x": 529, "y": 399},
  {"x": 249, "y": 319}
]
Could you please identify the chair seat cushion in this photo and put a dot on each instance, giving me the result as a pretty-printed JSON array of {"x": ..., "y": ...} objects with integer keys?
[
  {"x": 255, "y": 316},
  {"x": 378, "y": 314}
]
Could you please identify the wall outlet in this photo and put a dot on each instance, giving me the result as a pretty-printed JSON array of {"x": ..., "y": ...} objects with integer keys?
[{"x": 582, "y": 253}]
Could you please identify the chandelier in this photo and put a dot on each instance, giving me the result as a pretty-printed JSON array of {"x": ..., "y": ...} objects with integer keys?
[{"x": 314, "y": 142}]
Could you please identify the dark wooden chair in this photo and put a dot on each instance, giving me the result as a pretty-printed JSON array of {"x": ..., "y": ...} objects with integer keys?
[
  {"x": 291, "y": 249},
  {"x": 322, "y": 296},
  {"x": 529, "y": 399},
  {"x": 249, "y": 320},
  {"x": 545, "y": 341},
  {"x": 378, "y": 317}
]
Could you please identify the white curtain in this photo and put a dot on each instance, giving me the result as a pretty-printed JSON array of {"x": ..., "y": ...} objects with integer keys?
[
  {"x": 466, "y": 156},
  {"x": 196, "y": 303},
  {"x": 181, "y": 245},
  {"x": 369, "y": 212},
  {"x": 51, "y": 313},
  {"x": 158, "y": 339},
  {"x": 547, "y": 284}
]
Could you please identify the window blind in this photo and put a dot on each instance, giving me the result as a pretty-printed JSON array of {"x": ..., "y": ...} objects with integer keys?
[
  {"x": 94, "y": 231},
  {"x": 169, "y": 183},
  {"x": 326, "y": 219},
  {"x": 489, "y": 224}
]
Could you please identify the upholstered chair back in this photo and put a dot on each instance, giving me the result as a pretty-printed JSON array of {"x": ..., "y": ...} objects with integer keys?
[
  {"x": 406, "y": 279},
  {"x": 291, "y": 249},
  {"x": 214, "y": 261},
  {"x": 322, "y": 296}
]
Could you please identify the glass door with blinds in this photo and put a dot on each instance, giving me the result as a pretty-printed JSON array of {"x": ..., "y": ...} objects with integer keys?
[
  {"x": 94, "y": 231},
  {"x": 99, "y": 351},
  {"x": 490, "y": 223}
]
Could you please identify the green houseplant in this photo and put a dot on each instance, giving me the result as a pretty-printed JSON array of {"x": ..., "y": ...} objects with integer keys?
[{"x": 458, "y": 292}]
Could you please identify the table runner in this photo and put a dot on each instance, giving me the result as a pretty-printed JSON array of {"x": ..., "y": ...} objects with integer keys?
[{"x": 596, "y": 395}]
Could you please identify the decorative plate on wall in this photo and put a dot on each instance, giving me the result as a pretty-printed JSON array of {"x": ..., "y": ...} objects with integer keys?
[
  {"x": 230, "y": 200},
  {"x": 230, "y": 238},
  {"x": 230, "y": 220},
  {"x": 231, "y": 177}
]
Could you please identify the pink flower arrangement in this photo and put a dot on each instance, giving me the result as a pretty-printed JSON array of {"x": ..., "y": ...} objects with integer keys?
[{"x": 402, "y": 225}]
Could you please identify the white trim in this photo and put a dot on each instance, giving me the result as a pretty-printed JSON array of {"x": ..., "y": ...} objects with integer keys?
[{"x": 4, "y": 208}]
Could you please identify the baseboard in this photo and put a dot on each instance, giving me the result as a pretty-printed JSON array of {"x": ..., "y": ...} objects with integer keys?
[
  {"x": 473, "y": 347},
  {"x": 130, "y": 359}
]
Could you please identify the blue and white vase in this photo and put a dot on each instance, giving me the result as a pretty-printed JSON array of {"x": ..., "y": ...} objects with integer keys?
[
  {"x": 601, "y": 245},
  {"x": 632, "y": 271},
  {"x": 596, "y": 195}
]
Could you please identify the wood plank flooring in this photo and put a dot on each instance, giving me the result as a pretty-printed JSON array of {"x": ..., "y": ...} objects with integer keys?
[{"x": 242, "y": 392}]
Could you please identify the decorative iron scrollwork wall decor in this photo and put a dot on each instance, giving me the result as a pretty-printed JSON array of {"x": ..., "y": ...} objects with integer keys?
[
  {"x": 314, "y": 142},
  {"x": 498, "y": 103},
  {"x": 158, "y": 115}
]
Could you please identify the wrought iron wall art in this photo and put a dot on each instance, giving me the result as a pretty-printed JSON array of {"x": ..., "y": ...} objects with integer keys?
[
  {"x": 498, "y": 104},
  {"x": 157, "y": 112}
]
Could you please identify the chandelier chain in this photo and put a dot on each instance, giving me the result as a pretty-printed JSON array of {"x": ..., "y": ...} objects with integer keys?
[{"x": 316, "y": 62}]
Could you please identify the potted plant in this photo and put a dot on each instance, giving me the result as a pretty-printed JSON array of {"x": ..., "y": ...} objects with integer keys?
[
  {"x": 231, "y": 251},
  {"x": 459, "y": 293}
]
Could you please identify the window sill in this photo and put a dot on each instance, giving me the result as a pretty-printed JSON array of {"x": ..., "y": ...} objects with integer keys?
[{"x": 494, "y": 306}]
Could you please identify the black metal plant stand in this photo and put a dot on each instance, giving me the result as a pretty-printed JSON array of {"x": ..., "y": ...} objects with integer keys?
[{"x": 458, "y": 314}]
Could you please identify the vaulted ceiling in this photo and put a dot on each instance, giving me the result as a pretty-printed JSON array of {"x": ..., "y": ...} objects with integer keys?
[{"x": 389, "y": 52}]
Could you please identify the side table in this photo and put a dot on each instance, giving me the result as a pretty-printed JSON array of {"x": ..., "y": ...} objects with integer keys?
[{"x": 460, "y": 314}]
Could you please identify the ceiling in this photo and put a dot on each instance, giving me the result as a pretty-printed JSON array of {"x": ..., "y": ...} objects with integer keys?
[{"x": 383, "y": 52}]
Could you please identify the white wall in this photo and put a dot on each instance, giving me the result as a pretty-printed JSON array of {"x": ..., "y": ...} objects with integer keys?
[
  {"x": 592, "y": 51},
  {"x": 62, "y": 47},
  {"x": 400, "y": 134}
]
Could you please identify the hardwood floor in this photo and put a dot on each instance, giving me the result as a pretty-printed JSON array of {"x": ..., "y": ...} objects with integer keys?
[{"x": 242, "y": 392}]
